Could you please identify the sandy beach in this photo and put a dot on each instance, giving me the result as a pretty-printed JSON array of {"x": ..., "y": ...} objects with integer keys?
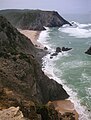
[
  {"x": 33, "y": 36},
  {"x": 62, "y": 106},
  {"x": 65, "y": 106}
]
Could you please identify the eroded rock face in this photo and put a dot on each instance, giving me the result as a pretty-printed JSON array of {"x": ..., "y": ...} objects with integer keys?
[
  {"x": 88, "y": 51},
  {"x": 34, "y": 19},
  {"x": 12, "y": 113}
]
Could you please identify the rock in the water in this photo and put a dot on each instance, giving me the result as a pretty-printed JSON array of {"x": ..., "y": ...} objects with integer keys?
[
  {"x": 58, "y": 49},
  {"x": 51, "y": 57},
  {"x": 66, "y": 49},
  {"x": 54, "y": 54},
  {"x": 45, "y": 48},
  {"x": 88, "y": 51},
  {"x": 12, "y": 113}
]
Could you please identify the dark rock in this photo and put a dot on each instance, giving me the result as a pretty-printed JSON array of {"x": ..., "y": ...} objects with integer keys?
[
  {"x": 58, "y": 49},
  {"x": 34, "y": 19},
  {"x": 66, "y": 49},
  {"x": 51, "y": 57},
  {"x": 45, "y": 48},
  {"x": 88, "y": 51},
  {"x": 54, "y": 54},
  {"x": 47, "y": 112}
]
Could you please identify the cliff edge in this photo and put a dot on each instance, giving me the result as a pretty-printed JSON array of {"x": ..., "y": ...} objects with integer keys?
[{"x": 34, "y": 19}]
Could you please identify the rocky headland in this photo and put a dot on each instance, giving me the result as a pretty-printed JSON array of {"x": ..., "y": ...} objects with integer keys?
[
  {"x": 34, "y": 19},
  {"x": 23, "y": 84}
]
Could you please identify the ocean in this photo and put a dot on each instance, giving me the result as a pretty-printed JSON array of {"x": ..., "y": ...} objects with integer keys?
[{"x": 72, "y": 69}]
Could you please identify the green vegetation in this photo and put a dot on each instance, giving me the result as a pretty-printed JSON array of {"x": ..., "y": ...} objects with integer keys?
[
  {"x": 47, "y": 112},
  {"x": 25, "y": 57},
  {"x": 5, "y": 55},
  {"x": 43, "y": 111}
]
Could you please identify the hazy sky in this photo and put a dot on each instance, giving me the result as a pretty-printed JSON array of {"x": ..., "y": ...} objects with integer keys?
[{"x": 62, "y": 6}]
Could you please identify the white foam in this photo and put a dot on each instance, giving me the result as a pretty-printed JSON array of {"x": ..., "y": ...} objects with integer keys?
[
  {"x": 78, "y": 30},
  {"x": 84, "y": 25},
  {"x": 49, "y": 69},
  {"x": 88, "y": 90},
  {"x": 75, "y": 64}
]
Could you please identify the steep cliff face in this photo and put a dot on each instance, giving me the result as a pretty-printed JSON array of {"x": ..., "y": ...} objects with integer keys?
[
  {"x": 34, "y": 19},
  {"x": 21, "y": 77}
]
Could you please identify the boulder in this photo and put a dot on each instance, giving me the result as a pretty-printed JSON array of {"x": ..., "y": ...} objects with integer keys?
[
  {"x": 88, "y": 51},
  {"x": 58, "y": 49},
  {"x": 66, "y": 49},
  {"x": 51, "y": 57},
  {"x": 45, "y": 48},
  {"x": 54, "y": 54},
  {"x": 12, "y": 113}
]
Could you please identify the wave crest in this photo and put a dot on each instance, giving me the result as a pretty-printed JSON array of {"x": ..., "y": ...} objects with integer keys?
[{"x": 77, "y": 30}]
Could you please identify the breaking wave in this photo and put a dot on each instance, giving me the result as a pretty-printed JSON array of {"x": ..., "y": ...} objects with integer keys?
[{"x": 77, "y": 30}]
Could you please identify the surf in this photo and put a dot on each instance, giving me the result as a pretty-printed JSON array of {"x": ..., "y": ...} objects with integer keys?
[{"x": 77, "y": 30}]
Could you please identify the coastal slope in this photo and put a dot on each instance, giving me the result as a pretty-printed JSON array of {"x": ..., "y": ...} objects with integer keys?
[
  {"x": 34, "y": 19},
  {"x": 22, "y": 82}
]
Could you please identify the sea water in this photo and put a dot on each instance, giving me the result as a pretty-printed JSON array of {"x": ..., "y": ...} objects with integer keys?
[{"x": 72, "y": 69}]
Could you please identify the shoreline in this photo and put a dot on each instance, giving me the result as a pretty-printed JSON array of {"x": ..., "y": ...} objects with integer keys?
[
  {"x": 62, "y": 106},
  {"x": 33, "y": 36}
]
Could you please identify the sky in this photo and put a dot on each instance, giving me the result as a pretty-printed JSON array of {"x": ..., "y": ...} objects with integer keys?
[{"x": 62, "y": 6}]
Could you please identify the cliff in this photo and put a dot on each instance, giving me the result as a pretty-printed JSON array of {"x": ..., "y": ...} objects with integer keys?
[
  {"x": 34, "y": 19},
  {"x": 22, "y": 82}
]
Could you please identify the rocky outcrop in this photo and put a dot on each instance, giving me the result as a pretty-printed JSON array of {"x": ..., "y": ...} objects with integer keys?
[
  {"x": 34, "y": 19},
  {"x": 51, "y": 111},
  {"x": 12, "y": 113},
  {"x": 66, "y": 49},
  {"x": 58, "y": 50},
  {"x": 88, "y": 51},
  {"x": 22, "y": 82}
]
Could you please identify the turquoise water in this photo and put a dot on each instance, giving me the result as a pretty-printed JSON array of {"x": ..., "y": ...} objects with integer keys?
[{"x": 73, "y": 68}]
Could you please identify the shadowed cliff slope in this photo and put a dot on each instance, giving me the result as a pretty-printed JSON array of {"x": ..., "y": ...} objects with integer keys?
[
  {"x": 34, "y": 19},
  {"x": 21, "y": 77}
]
